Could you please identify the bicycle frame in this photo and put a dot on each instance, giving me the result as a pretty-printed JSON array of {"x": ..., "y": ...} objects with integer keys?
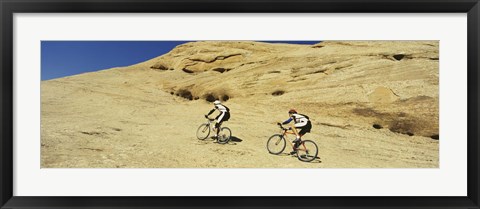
[
  {"x": 284, "y": 135},
  {"x": 222, "y": 134},
  {"x": 210, "y": 121}
]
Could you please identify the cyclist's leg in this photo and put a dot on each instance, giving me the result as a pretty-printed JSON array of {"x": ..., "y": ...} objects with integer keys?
[
  {"x": 219, "y": 122},
  {"x": 303, "y": 131},
  {"x": 217, "y": 127},
  {"x": 294, "y": 129}
]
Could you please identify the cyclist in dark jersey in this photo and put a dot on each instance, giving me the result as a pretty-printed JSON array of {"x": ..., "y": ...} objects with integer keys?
[{"x": 223, "y": 116}]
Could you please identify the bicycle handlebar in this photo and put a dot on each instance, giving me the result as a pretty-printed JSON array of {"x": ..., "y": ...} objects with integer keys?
[
  {"x": 283, "y": 128},
  {"x": 206, "y": 116}
]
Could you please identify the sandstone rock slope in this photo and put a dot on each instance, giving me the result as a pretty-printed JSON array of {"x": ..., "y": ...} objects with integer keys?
[{"x": 372, "y": 104}]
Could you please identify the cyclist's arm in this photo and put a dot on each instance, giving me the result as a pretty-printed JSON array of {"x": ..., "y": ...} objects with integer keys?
[
  {"x": 287, "y": 121},
  {"x": 211, "y": 111}
]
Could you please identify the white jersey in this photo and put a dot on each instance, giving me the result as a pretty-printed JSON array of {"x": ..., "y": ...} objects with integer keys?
[
  {"x": 300, "y": 120},
  {"x": 221, "y": 108}
]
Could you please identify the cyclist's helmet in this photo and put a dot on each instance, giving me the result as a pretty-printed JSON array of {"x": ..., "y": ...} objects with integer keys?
[
  {"x": 292, "y": 111},
  {"x": 216, "y": 102}
]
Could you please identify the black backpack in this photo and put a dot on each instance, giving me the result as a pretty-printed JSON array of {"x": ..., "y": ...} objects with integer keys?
[{"x": 305, "y": 116}]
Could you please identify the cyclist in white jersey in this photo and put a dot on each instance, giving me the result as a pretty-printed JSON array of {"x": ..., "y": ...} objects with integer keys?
[
  {"x": 301, "y": 122},
  {"x": 223, "y": 116}
]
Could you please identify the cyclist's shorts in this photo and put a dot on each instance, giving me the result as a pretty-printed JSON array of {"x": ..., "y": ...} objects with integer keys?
[
  {"x": 224, "y": 116},
  {"x": 305, "y": 129}
]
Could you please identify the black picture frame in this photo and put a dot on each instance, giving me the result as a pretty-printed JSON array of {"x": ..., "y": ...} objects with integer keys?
[{"x": 9, "y": 7}]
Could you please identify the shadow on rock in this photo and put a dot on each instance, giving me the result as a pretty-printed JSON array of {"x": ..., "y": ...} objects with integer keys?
[
  {"x": 235, "y": 139},
  {"x": 316, "y": 160}
]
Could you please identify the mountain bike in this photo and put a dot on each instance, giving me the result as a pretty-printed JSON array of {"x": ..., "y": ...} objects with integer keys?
[
  {"x": 306, "y": 151},
  {"x": 203, "y": 131}
]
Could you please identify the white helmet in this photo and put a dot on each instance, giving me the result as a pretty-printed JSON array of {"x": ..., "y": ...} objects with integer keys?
[{"x": 216, "y": 102}]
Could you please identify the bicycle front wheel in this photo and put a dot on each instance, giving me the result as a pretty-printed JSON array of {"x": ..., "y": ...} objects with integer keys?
[
  {"x": 203, "y": 131},
  {"x": 307, "y": 151},
  {"x": 276, "y": 144},
  {"x": 224, "y": 135}
]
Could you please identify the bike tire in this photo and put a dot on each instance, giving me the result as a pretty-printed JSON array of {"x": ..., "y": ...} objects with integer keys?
[
  {"x": 307, "y": 151},
  {"x": 276, "y": 144},
  {"x": 203, "y": 131},
  {"x": 224, "y": 135}
]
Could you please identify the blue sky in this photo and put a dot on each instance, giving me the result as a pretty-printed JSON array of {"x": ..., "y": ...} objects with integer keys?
[{"x": 65, "y": 58}]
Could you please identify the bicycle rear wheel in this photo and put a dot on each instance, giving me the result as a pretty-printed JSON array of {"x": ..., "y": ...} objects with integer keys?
[
  {"x": 224, "y": 135},
  {"x": 307, "y": 151},
  {"x": 276, "y": 144},
  {"x": 203, "y": 131}
]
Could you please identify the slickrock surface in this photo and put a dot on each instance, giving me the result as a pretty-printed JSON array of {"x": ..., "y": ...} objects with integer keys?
[{"x": 372, "y": 104}]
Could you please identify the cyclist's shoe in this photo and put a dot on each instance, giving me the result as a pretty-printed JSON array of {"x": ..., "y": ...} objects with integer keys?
[
  {"x": 293, "y": 152},
  {"x": 297, "y": 143}
]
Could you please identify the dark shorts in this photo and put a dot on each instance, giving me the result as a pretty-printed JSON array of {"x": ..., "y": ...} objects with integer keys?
[
  {"x": 305, "y": 129},
  {"x": 224, "y": 118}
]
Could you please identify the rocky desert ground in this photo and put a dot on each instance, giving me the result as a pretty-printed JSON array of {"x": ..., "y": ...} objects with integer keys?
[{"x": 373, "y": 104}]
